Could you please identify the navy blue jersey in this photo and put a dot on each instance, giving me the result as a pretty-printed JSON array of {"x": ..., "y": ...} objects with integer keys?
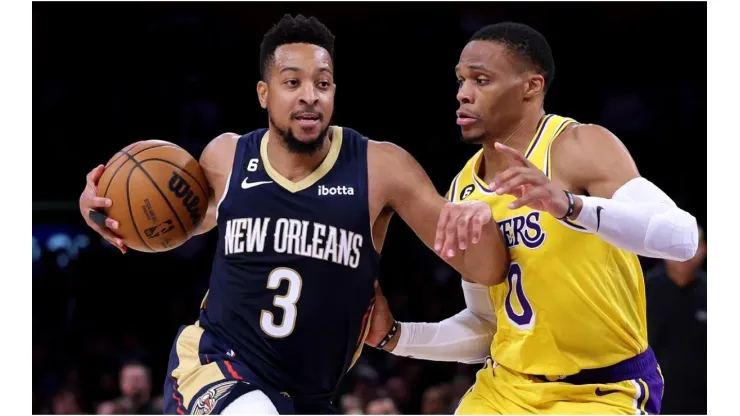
[{"x": 292, "y": 283}]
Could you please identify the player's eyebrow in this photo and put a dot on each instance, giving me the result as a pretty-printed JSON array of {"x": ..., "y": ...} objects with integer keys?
[
  {"x": 296, "y": 69},
  {"x": 473, "y": 67}
]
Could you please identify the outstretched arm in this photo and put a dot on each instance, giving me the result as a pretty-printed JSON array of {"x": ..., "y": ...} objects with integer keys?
[
  {"x": 612, "y": 199},
  {"x": 465, "y": 337},
  {"x": 463, "y": 234}
]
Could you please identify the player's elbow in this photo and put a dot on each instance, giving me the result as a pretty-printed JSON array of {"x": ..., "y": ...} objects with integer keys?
[
  {"x": 673, "y": 235},
  {"x": 489, "y": 276}
]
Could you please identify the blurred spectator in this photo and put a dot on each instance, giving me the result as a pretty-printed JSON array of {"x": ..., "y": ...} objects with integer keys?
[
  {"x": 677, "y": 327},
  {"x": 398, "y": 391},
  {"x": 66, "y": 403},
  {"x": 384, "y": 406},
  {"x": 135, "y": 383},
  {"x": 436, "y": 400},
  {"x": 351, "y": 405}
]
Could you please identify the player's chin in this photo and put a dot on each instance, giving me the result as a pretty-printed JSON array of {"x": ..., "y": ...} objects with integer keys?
[{"x": 472, "y": 135}]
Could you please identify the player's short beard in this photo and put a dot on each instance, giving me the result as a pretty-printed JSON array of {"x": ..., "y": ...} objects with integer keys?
[
  {"x": 296, "y": 146},
  {"x": 473, "y": 140}
]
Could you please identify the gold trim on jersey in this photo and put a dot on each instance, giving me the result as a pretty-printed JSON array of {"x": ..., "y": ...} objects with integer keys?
[
  {"x": 190, "y": 375},
  {"x": 313, "y": 177},
  {"x": 358, "y": 351},
  {"x": 531, "y": 150}
]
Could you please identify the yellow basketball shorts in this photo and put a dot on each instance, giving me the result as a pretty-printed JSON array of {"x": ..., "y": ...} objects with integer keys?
[{"x": 499, "y": 390}]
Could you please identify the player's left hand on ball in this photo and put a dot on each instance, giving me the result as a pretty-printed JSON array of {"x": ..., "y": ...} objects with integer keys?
[
  {"x": 459, "y": 225},
  {"x": 529, "y": 184}
]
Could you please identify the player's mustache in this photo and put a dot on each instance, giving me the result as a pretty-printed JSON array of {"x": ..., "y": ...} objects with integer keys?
[{"x": 307, "y": 112}]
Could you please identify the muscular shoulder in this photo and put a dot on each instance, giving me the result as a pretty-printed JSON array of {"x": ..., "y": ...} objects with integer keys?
[
  {"x": 587, "y": 152},
  {"x": 217, "y": 151},
  {"x": 394, "y": 173}
]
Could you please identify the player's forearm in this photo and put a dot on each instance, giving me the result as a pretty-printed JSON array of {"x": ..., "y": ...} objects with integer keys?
[
  {"x": 483, "y": 261},
  {"x": 640, "y": 218},
  {"x": 465, "y": 337}
]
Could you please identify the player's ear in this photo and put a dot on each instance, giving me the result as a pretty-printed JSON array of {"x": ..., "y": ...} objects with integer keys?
[
  {"x": 262, "y": 93},
  {"x": 534, "y": 85}
]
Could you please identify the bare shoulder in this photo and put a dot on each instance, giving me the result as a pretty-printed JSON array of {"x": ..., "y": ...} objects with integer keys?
[
  {"x": 391, "y": 164},
  {"x": 388, "y": 153},
  {"x": 216, "y": 160},
  {"x": 587, "y": 139},
  {"x": 588, "y": 153},
  {"x": 221, "y": 146}
]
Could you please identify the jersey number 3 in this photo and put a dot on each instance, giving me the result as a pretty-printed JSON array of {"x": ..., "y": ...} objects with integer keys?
[
  {"x": 286, "y": 303},
  {"x": 525, "y": 319}
]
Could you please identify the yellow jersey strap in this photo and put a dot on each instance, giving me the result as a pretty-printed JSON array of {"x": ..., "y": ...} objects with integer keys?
[{"x": 551, "y": 126}]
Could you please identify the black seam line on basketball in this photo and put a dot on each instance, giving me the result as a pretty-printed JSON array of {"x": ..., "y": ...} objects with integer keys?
[
  {"x": 124, "y": 152},
  {"x": 167, "y": 201},
  {"x": 119, "y": 155},
  {"x": 181, "y": 168},
  {"x": 128, "y": 199}
]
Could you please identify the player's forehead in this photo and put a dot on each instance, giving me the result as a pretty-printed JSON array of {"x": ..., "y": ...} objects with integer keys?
[
  {"x": 301, "y": 57},
  {"x": 484, "y": 56}
]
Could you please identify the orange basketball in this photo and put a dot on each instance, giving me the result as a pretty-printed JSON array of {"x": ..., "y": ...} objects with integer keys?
[{"x": 159, "y": 194}]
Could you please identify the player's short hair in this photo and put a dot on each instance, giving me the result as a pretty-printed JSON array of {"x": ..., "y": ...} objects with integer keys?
[
  {"x": 289, "y": 29},
  {"x": 524, "y": 41}
]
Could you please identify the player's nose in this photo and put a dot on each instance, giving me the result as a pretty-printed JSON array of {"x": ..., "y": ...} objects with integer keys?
[
  {"x": 309, "y": 95},
  {"x": 465, "y": 93}
]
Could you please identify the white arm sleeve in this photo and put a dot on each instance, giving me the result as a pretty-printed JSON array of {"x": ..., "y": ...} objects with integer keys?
[
  {"x": 465, "y": 337},
  {"x": 642, "y": 219}
]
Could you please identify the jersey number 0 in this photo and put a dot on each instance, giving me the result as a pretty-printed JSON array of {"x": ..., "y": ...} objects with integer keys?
[{"x": 286, "y": 303}]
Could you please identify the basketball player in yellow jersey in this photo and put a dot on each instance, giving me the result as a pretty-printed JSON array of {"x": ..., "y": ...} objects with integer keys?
[{"x": 569, "y": 322}]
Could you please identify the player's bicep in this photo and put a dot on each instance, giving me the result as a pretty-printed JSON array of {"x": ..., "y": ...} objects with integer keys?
[
  {"x": 594, "y": 160},
  {"x": 409, "y": 192},
  {"x": 216, "y": 161},
  {"x": 407, "y": 189}
]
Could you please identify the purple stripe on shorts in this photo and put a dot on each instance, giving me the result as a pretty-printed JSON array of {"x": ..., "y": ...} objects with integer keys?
[{"x": 654, "y": 384}]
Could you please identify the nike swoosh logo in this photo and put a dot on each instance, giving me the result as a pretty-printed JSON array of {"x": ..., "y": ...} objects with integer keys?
[
  {"x": 247, "y": 185},
  {"x": 600, "y": 392},
  {"x": 598, "y": 217}
]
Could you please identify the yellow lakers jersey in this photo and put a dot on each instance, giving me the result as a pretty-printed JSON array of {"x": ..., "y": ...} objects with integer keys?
[{"x": 571, "y": 300}]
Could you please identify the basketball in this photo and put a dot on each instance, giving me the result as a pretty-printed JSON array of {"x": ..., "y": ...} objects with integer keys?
[{"x": 159, "y": 194}]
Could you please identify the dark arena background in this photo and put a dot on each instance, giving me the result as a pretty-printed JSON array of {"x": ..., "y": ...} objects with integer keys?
[{"x": 107, "y": 75}]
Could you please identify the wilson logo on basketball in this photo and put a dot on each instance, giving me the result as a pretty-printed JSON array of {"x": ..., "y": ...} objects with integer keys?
[{"x": 181, "y": 188}]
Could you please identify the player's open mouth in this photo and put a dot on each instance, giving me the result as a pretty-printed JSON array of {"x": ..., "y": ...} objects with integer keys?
[{"x": 308, "y": 119}]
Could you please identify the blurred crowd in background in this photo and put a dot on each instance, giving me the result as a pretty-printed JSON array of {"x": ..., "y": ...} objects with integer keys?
[{"x": 106, "y": 75}]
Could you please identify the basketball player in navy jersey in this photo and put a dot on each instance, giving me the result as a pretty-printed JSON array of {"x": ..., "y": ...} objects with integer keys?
[{"x": 302, "y": 208}]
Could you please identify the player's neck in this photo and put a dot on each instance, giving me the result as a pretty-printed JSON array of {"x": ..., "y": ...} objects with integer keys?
[
  {"x": 518, "y": 137},
  {"x": 291, "y": 165}
]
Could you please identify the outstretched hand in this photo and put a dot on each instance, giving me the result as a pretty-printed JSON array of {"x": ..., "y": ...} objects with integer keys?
[
  {"x": 460, "y": 224},
  {"x": 529, "y": 185}
]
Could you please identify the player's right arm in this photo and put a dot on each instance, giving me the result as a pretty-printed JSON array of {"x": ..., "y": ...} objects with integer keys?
[
  {"x": 465, "y": 337},
  {"x": 216, "y": 161}
]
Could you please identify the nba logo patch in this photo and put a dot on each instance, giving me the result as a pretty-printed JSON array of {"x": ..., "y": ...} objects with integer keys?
[
  {"x": 205, "y": 404},
  {"x": 231, "y": 353}
]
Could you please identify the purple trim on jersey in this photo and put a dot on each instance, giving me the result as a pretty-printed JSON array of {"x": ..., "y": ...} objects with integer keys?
[
  {"x": 643, "y": 366},
  {"x": 655, "y": 386},
  {"x": 542, "y": 127}
]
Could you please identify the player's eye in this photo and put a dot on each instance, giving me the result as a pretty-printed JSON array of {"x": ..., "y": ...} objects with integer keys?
[
  {"x": 481, "y": 81},
  {"x": 460, "y": 82},
  {"x": 292, "y": 82},
  {"x": 324, "y": 84}
]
